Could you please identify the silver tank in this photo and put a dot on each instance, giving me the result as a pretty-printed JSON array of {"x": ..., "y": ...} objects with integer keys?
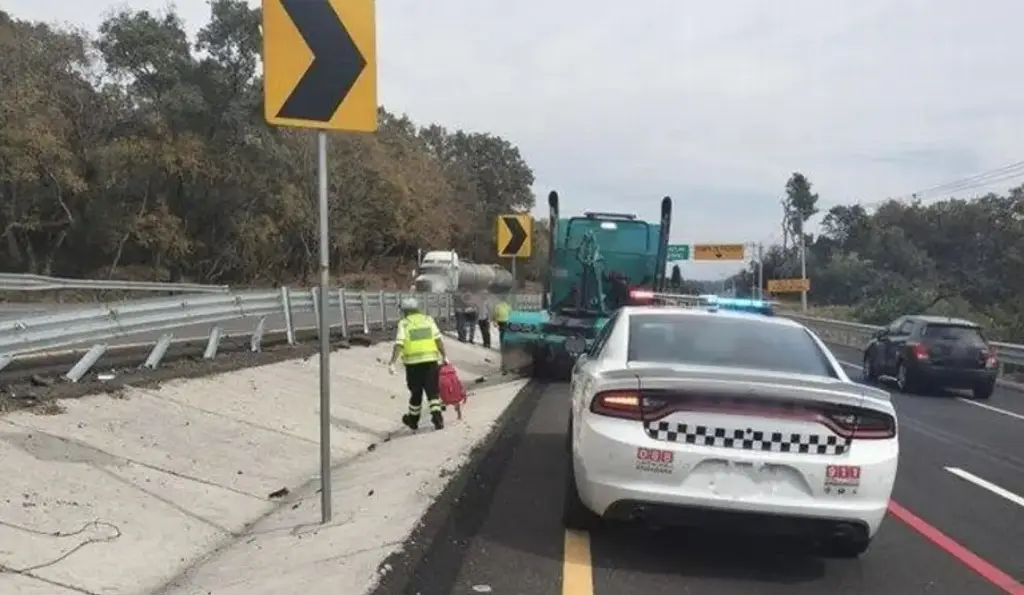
[{"x": 472, "y": 277}]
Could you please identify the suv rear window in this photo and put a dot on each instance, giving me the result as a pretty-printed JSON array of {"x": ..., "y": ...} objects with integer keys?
[
  {"x": 953, "y": 332},
  {"x": 734, "y": 342}
]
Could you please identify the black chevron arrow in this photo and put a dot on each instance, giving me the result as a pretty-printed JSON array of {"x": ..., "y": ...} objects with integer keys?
[
  {"x": 337, "y": 62},
  {"x": 515, "y": 243}
]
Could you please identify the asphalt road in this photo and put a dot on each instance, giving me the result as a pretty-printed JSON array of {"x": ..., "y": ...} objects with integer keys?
[{"x": 956, "y": 526}]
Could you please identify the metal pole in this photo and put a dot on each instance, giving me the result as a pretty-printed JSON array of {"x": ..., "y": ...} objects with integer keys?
[
  {"x": 515, "y": 283},
  {"x": 325, "y": 333},
  {"x": 803, "y": 269},
  {"x": 760, "y": 271}
]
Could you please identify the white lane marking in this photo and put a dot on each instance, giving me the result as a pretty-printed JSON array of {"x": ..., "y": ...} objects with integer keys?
[
  {"x": 963, "y": 400},
  {"x": 991, "y": 408},
  {"x": 988, "y": 485}
]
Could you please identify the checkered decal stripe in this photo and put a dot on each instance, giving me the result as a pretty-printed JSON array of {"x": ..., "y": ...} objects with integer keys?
[{"x": 829, "y": 444}]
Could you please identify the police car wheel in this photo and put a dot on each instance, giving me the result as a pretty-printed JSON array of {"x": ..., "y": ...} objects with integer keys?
[
  {"x": 575, "y": 514},
  {"x": 845, "y": 548}
]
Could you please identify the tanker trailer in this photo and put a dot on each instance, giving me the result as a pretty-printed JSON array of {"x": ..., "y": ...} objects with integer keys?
[
  {"x": 480, "y": 277},
  {"x": 441, "y": 271}
]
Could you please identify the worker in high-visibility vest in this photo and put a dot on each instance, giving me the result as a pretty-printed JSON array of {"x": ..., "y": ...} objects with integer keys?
[
  {"x": 501, "y": 314},
  {"x": 418, "y": 342}
]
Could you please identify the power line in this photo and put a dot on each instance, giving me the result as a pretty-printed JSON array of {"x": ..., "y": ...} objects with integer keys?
[{"x": 1006, "y": 173}]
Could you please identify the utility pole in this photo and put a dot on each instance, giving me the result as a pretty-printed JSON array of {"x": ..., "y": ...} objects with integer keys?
[
  {"x": 803, "y": 266},
  {"x": 760, "y": 271}
]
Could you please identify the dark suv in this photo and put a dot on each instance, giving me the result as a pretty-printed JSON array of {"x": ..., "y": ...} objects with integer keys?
[{"x": 924, "y": 352}]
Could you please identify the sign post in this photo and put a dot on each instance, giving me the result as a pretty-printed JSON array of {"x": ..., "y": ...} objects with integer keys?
[{"x": 320, "y": 72}]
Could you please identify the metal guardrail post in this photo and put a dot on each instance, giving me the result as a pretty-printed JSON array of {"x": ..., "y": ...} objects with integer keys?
[
  {"x": 343, "y": 307},
  {"x": 286, "y": 305},
  {"x": 365, "y": 307},
  {"x": 383, "y": 310},
  {"x": 159, "y": 351},
  {"x": 256, "y": 341},
  {"x": 213, "y": 343},
  {"x": 86, "y": 363},
  {"x": 314, "y": 295}
]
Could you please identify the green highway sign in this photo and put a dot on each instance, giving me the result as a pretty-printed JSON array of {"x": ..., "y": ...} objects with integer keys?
[{"x": 678, "y": 252}]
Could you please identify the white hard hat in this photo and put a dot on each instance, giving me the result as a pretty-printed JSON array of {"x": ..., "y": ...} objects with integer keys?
[{"x": 409, "y": 304}]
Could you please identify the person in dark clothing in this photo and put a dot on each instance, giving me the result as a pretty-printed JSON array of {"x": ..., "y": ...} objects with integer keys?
[
  {"x": 484, "y": 322},
  {"x": 465, "y": 317}
]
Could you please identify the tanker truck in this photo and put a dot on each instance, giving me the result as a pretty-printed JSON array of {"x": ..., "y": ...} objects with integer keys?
[{"x": 442, "y": 271}]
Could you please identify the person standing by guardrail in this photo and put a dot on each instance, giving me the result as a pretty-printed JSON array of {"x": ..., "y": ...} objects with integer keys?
[
  {"x": 418, "y": 342},
  {"x": 484, "y": 319},
  {"x": 465, "y": 317},
  {"x": 501, "y": 313}
]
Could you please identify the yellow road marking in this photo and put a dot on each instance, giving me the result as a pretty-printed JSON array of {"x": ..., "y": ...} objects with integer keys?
[{"x": 577, "y": 574}]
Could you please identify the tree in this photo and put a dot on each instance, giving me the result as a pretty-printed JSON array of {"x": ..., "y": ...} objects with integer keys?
[
  {"x": 143, "y": 153},
  {"x": 799, "y": 205}
]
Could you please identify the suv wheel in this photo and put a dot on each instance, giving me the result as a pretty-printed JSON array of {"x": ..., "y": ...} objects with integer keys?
[
  {"x": 984, "y": 391},
  {"x": 904, "y": 379},
  {"x": 870, "y": 374}
]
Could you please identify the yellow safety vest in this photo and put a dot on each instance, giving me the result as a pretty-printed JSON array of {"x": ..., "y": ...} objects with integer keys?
[
  {"x": 501, "y": 312},
  {"x": 419, "y": 346}
]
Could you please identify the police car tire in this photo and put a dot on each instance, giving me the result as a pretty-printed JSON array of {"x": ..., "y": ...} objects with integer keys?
[
  {"x": 845, "y": 549},
  {"x": 575, "y": 514}
]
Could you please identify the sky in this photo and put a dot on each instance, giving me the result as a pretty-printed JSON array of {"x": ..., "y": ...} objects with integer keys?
[{"x": 712, "y": 103}]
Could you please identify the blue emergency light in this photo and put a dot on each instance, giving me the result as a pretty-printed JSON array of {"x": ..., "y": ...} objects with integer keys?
[{"x": 739, "y": 304}]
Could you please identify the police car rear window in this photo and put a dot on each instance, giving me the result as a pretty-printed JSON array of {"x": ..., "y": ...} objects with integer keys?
[{"x": 728, "y": 341}]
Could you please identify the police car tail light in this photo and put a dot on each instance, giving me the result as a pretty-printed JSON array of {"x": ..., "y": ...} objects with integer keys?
[
  {"x": 919, "y": 351},
  {"x": 641, "y": 297},
  {"x": 991, "y": 361},
  {"x": 862, "y": 424},
  {"x": 624, "y": 404}
]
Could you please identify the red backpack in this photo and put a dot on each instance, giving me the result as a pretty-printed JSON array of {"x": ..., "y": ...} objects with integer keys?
[{"x": 452, "y": 391}]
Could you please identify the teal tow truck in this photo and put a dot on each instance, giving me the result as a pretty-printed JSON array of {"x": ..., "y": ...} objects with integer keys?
[{"x": 598, "y": 262}]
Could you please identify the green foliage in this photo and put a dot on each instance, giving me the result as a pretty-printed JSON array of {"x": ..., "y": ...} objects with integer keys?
[{"x": 143, "y": 153}]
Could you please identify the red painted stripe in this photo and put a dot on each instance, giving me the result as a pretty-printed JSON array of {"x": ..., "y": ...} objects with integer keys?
[{"x": 966, "y": 557}]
